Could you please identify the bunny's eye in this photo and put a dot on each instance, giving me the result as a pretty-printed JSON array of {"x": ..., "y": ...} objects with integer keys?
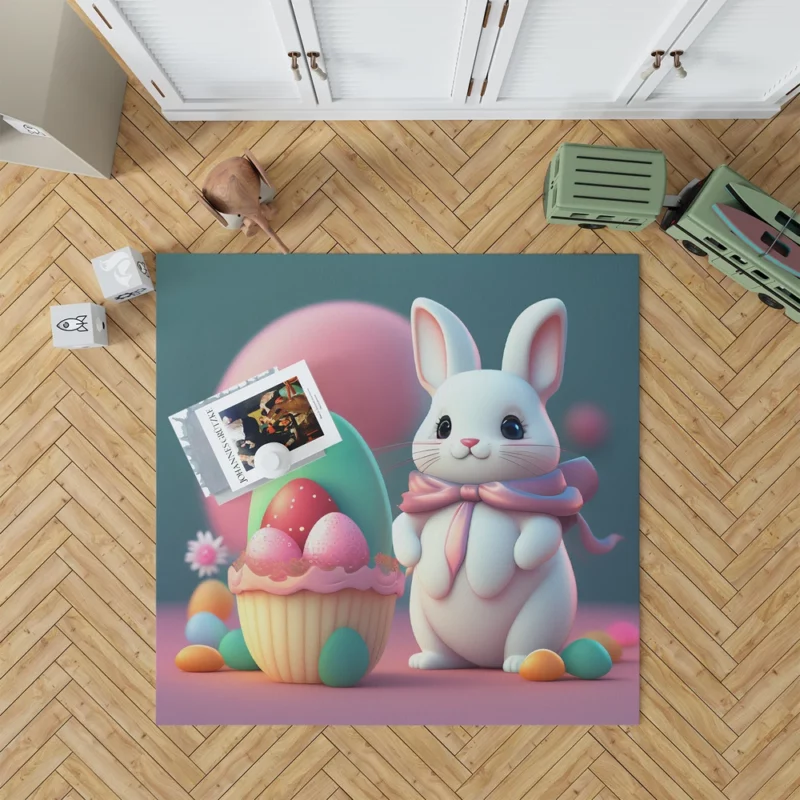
[
  {"x": 444, "y": 427},
  {"x": 511, "y": 427}
]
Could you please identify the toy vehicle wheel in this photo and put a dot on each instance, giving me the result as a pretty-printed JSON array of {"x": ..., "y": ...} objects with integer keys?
[
  {"x": 693, "y": 248},
  {"x": 592, "y": 226},
  {"x": 769, "y": 301}
]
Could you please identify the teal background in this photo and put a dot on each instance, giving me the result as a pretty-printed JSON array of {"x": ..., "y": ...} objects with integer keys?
[{"x": 199, "y": 333}]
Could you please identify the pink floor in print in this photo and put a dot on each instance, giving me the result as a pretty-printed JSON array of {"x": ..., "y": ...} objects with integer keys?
[{"x": 394, "y": 694}]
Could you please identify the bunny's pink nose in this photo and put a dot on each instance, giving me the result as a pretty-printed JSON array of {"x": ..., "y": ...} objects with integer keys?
[{"x": 469, "y": 442}]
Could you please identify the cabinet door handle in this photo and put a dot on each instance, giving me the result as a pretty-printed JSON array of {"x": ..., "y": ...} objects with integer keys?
[
  {"x": 323, "y": 76},
  {"x": 676, "y": 58},
  {"x": 295, "y": 66},
  {"x": 657, "y": 56}
]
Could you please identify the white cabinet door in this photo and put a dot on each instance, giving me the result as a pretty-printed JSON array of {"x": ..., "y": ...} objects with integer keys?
[
  {"x": 562, "y": 53},
  {"x": 736, "y": 50},
  {"x": 390, "y": 54},
  {"x": 206, "y": 54}
]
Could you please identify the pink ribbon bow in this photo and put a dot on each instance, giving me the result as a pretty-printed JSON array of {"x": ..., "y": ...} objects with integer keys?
[{"x": 560, "y": 493}]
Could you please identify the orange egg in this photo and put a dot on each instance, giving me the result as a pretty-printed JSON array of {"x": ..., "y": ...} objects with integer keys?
[
  {"x": 199, "y": 658},
  {"x": 542, "y": 665},
  {"x": 213, "y": 596},
  {"x": 613, "y": 647}
]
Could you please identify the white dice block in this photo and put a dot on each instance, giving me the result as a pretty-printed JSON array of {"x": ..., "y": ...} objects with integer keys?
[
  {"x": 122, "y": 274},
  {"x": 77, "y": 326}
]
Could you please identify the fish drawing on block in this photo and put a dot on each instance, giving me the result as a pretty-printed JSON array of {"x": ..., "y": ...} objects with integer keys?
[
  {"x": 77, "y": 324},
  {"x": 764, "y": 239}
]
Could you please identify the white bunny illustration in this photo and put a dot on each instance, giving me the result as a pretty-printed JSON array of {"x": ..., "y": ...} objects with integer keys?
[{"x": 483, "y": 519}]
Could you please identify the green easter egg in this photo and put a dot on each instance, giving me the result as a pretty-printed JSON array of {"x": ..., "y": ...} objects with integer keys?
[
  {"x": 344, "y": 658},
  {"x": 350, "y": 474},
  {"x": 234, "y": 651},
  {"x": 586, "y": 658}
]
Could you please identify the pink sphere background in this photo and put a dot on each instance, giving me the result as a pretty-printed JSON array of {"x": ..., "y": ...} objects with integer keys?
[
  {"x": 587, "y": 425},
  {"x": 362, "y": 360}
]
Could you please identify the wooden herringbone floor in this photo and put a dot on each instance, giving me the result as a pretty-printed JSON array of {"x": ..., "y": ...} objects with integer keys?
[{"x": 720, "y": 439}]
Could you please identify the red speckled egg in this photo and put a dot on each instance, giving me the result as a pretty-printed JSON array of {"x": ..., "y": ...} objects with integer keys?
[{"x": 297, "y": 507}]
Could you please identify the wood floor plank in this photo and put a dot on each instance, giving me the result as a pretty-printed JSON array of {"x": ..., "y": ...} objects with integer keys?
[
  {"x": 12, "y": 176},
  {"x": 153, "y": 198},
  {"x": 683, "y": 411},
  {"x": 31, "y": 266},
  {"x": 109, "y": 516},
  {"x": 30, "y": 703},
  {"x": 126, "y": 457},
  {"x": 385, "y": 177},
  {"x": 296, "y": 155},
  {"x": 513, "y": 169},
  {"x": 159, "y": 131},
  {"x": 441, "y": 146},
  {"x": 35, "y": 226},
  {"x": 33, "y": 737},
  {"x": 680, "y": 552},
  {"x": 144, "y": 153},
  {"x": 679, "y": 732},
  {"x": 23, "y": 201},
  {"x": 354, "y": 207},
  {"x": 493, "y": 152},
  {"x": 685, "y": 702},
  {"x": 103, "y": 473},
  {"x": 105, "y": 773},
  {"x": 419, "y": 161}
]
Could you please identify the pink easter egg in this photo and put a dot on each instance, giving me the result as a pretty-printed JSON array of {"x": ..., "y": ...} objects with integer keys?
[
  {"x": 586, "y": 424},
  {"x": 626, "y": 633},
  {"x": 269, "y": 546},
  {"x": 336, "y": 541}
]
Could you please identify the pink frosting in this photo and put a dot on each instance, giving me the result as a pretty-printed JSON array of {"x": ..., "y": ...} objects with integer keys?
[{"x": 319, "y": 580}]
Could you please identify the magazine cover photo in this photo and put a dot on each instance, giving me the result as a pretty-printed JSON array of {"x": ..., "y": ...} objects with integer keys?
[{"x": 280, "y": 414}]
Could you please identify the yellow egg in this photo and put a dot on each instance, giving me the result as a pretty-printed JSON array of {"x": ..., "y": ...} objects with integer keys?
[
  {"x": 213, "y": 596},
  {"x": 542, "y": 665},
  {"x": 613, "y": 647},
  {"x": 199, "y": 658}
]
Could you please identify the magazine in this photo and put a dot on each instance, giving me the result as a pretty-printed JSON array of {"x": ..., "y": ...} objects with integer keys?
[{"x": 221, "y": 435}]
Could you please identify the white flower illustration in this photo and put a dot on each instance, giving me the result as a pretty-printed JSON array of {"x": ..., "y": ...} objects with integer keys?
[{"x": 206, "y": 554}]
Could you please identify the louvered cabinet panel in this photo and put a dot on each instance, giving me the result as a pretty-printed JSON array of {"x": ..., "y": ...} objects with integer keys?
[
  {"x": 385, "y": 52},
  {"x": 205, "y": 52},
  {"x": 747, "y": 51},
  {"x": 581, "y": 50}
]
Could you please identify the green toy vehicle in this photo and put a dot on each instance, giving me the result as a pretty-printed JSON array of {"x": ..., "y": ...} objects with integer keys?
[
  {"x": 745, "y": 234},
  {"x": 702, "y": 232}
]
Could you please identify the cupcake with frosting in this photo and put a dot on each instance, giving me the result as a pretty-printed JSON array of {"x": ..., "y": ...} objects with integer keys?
[{"x": 319, "y": 561}]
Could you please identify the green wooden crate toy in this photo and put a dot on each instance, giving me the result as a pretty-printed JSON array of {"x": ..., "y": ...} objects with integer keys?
[
  {"x": 746, "y": 234},
  {"x": 599, "y": 187}
]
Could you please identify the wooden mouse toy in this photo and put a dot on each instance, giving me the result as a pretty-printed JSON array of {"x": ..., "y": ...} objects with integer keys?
[{"x": 237, "y": 192}]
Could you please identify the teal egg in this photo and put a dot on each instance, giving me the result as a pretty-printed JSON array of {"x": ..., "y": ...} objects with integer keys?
[
  {"x": 205, "y": 628},
  {"x": 350, "y": 474},
  {"x": 586, "y": 658},
  {"x": 234, "y": 651},
  {"x": 344, "y": 658}
]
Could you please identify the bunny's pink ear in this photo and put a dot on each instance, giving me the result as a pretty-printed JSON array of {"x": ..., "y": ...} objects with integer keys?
[
  {"x": 442, "y": 344},
  {"x": 535, "y": 346}
]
